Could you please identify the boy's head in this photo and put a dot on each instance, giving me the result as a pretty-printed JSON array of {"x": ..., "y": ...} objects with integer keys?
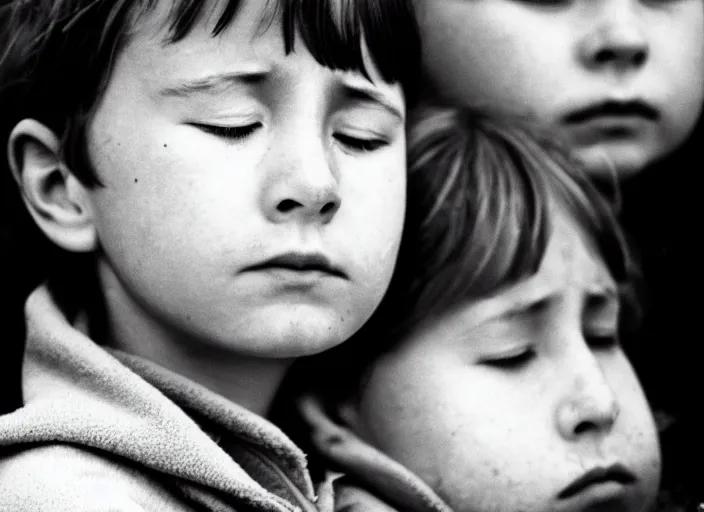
[
  {"x": 235, "y": 168},
  {"x": 624, "y": 79},
  {"x": 507, "y": 383}
]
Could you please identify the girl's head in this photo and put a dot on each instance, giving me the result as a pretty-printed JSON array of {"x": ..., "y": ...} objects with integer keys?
[
  {"x": 498, "y": 376},
  {"x": 624, "y": 79},
  {"x": 218, "y": 162}
]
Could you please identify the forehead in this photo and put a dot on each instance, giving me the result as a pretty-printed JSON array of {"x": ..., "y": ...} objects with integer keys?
[
  {"x": 571, "y": 269},
  {"x": 571, "y": 265},
  {"x": 571, "y": 257}
]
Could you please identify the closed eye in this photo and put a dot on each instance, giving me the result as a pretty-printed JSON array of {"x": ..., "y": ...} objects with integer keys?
[
  {"x": 360, "y": 144},
  {"x": 602, "y": 341},
  {"x": 229, "y": 132},
  {"x": 510, "y": 360},
  {"x": 545, "y": 3}
]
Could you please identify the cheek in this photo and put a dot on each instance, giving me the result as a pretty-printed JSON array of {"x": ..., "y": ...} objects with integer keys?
[
  {"x": 686, "y": 91},
  {"x": 474, "y": 443},
  {"x": 420, "y": 404},
  {"x": 636, "y": 436},
  {"x": 479, "y": 62},
  {"x": 161, "y": 212},
  {"x": 687, "y": 50},
  {"x": 455, "y": 50},
  {"x": 396, "y": 402},
  {"x": 172, "y": 178},
  {"x": 373, "y": 209},
  {"x": 678, "y": 63}
]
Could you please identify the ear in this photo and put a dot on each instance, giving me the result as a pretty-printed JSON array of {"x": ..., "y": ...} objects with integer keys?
[
  {"x": 348, "y": 412},
  {"x": 57, "y": 201}
]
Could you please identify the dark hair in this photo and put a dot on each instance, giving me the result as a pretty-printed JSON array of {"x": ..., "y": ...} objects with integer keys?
[
  {"x": 482, "y": 193},
  {"x": 56, "y": 57}
]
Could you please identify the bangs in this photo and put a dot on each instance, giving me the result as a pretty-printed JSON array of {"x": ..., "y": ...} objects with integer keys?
[
  {"x": 481, "y": 215},
  {"x": 482, "y": 195},
  {"x": 334, "y": 31}
]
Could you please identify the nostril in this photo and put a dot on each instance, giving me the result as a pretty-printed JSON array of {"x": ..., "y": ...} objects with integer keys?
[
  {"x": 639, "y": 58},
  {"x": 327, "y": 208},
  {"x": 287, "y": 205},
  {"x": 584, "y": 427},
  {"x": 605, "y": 56},
  {"x": 635, "y": 57}
]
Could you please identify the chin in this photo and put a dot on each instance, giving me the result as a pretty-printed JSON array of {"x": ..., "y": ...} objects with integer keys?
[
  {"x": 616, "y": 161},
  {"x": 300, "y": 335}
]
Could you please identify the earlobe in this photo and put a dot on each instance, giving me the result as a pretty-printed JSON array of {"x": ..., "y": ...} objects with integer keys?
[{"x": 58, "y": 202}]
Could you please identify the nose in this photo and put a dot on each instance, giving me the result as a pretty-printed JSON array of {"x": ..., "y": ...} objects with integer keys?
[
  {"x": 616, "y": 39},
  {"x": 303, "y": 187},
  {"x": 588, "y": 406}
]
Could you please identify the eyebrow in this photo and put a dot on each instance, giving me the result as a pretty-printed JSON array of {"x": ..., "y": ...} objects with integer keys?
[
  {"x": 217, "y": 82},
  {"x": 214, "y": 83},
  {"x": 370, "y": 94},
  {"x": 596, "y": 298},
  {"x": 519, "y": 306}
]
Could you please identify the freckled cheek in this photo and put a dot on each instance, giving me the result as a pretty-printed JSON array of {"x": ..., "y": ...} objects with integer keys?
[
  {"x": 636, "y": 438},
  {"x": 372, "y": 212},
  {"x": 431, "y": 397},
  {"x": 639, "y": 431},
  {"x": 143, "y": 206},
  {"x": 476, "y": 458}
]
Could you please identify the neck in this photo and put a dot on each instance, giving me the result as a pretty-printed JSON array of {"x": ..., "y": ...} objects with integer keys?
[{"x": 248, "y": 381}]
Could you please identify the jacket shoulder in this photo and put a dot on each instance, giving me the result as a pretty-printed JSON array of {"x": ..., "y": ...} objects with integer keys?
[{"x": 63, "y": 478}]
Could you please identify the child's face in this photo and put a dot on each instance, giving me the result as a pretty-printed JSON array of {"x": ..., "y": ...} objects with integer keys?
[
  {"x": 504, "y": 402},
  {"x": 252, "y": 200},
  {"x": 562, "y": 61}
]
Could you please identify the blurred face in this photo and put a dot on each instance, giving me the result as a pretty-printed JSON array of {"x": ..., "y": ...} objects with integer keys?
[
  {"x": 622, "y": 79},
  {"x": 253, "y": 201},
  {"x": 522, "y": 401}
]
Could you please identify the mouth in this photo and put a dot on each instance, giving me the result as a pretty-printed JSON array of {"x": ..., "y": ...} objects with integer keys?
[
  {"x": 616, "y": 473},
  {"x": 300, "y": 262},
  {"x": 613, "y": 110}
]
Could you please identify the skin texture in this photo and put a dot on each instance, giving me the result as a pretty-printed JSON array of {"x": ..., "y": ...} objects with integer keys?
[
  {"x": 208, "y": 173},
  {"x": 501, "y": 403},
  {"x": 547, "y": 59}
]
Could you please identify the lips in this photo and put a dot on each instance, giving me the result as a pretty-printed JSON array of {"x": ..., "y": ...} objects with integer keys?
[
  {"x": 613, "y": 109},
  {"x": 300, "y": 262},
  {"x": 615, "y": 473}
]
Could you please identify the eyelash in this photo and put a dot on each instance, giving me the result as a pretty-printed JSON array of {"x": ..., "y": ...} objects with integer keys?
[
  {"x": 511, "y": 361},
  {"x": 545, "y": 3},
  {"x": 242, "y": 132},
  {"x": 602, "y": 342},
  {"x": 229, "y": 132},
  {"x": 362, "y": 145}
]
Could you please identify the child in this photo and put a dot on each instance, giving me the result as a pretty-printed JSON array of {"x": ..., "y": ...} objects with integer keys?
[
  {"x": 494, "y": 380},
  {"x": 212, "y": 182},
  {"x": 621, "y": 78},
  {"x": 624, "y": 81}
]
